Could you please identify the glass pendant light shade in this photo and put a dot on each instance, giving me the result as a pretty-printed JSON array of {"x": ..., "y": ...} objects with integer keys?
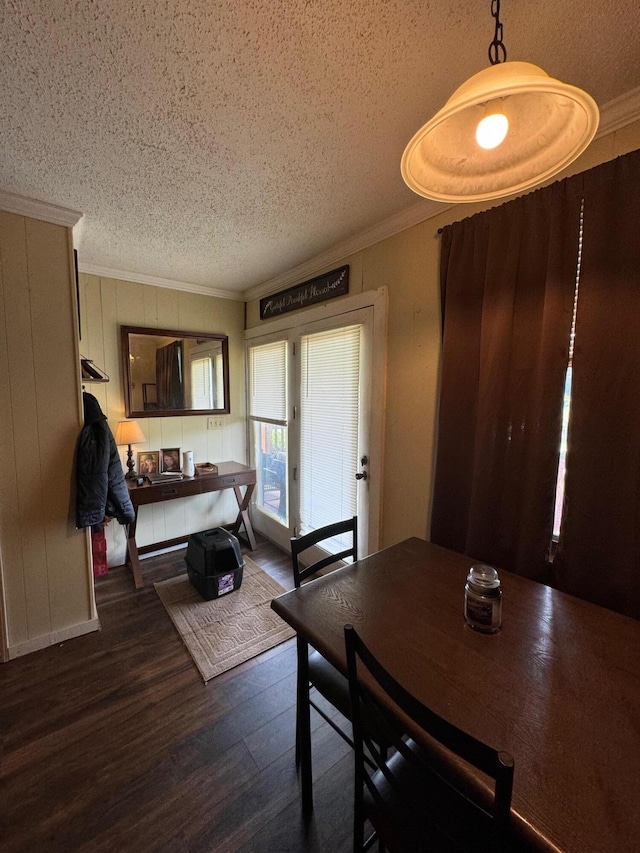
[{"x": 550, "y": 123}]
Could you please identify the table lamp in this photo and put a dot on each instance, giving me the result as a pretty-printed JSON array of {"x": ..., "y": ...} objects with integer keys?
[{"x": 128, "y": 432}]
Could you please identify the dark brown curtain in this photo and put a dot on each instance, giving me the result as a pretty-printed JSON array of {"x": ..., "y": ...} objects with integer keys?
[
  {"x": 170, "y": 388},
  {"x": 508, "y": 276},
  {"x": 599, "y": 551}
]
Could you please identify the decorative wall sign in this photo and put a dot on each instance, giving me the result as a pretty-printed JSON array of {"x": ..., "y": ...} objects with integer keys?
[{"x": 334, "y": 283}]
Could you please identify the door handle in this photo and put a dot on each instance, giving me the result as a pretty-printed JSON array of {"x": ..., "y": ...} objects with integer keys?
[{"x": 363, "y": 475}]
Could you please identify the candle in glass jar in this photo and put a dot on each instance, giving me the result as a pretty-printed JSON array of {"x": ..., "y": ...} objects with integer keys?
[{"x": 483, "y": 599}]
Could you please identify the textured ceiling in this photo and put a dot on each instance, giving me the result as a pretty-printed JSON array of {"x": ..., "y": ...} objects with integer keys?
[{"x": 223, "y": 142}]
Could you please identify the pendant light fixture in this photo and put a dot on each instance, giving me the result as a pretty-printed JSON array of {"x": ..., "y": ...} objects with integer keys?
[{"x": 505, "y": 130}]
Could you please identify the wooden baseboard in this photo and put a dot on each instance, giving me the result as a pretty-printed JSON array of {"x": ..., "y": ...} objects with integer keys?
[{"x": 52, "y": 639}]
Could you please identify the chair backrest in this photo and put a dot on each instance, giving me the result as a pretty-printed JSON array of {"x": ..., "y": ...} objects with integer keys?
[
  {"x": 441, "y": 769},
  {"x": 315, "y": 537}
]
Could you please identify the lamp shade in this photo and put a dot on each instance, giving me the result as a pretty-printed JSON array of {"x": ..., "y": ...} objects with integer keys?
[
  {"x": 550, "y": 123},
  {"x": 128, "y": 432}
]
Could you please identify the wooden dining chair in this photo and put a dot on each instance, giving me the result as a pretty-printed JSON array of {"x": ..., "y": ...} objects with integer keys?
[
  {"x": 314, "y": 671},
  {"x": 424, "y": 797}
]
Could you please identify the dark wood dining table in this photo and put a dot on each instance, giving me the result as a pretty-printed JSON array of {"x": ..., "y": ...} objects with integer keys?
[{"x": 558, "y": 686}]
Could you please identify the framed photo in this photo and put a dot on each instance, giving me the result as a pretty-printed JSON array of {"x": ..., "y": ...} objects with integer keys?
[
  {"x": 148, "y": 462},
  {"x": 170, "y": 459}
]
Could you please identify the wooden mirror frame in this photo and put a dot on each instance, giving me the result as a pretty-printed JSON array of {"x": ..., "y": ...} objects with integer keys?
[{"x": 132, "y": 408}]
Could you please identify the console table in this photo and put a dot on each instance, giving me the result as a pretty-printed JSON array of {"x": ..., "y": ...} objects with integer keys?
[{"x": 231, "y": 475}]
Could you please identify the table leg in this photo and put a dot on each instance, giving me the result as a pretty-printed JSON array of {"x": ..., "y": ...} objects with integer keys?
[
  {"x": 303, "y": 726},
  {"x": 243, "y": 514},
  {"x": 132, "y": 553}
]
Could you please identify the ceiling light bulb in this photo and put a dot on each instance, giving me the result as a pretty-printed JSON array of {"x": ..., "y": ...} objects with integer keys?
[{"x": 491, "y": 130}]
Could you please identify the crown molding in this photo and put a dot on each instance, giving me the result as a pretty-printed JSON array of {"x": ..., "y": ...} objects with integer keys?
[
  {"x": 407, "y": 218},
  {"x": 156, "y": 281},
  {"x": 619, "y": 112},
  {"x": 12, "y": 203}
]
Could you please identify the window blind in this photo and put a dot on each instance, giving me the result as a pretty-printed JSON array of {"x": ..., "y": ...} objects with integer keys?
[
  {"x": 219, "y": 400},
  {"x": 329, "y": 415},
  {"x": 201, "y": 384},
  {"x": 268, "y": 382}
]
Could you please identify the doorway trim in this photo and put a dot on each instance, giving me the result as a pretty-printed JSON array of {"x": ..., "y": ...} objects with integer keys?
[{"x": 378, "y": 301}]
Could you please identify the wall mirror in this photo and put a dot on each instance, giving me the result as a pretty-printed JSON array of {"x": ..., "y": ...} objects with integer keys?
[{"x": 167, "y": 372}]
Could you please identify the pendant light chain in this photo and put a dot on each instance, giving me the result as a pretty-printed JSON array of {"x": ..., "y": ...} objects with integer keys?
[{"x": 497, "y": 50}]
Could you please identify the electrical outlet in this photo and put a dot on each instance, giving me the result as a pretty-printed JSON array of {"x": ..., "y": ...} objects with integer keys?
[{"x": 214, "y": 423}]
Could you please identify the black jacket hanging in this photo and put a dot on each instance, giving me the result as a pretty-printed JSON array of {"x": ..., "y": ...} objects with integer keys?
[{"x": 101, "y": 489}]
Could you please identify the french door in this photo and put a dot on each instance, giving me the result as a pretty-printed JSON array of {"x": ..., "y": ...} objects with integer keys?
[{"x": 310, "y": 417}]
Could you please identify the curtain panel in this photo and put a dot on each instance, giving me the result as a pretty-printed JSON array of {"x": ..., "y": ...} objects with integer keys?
[
  {"x": 598, "y": 555},
  {"x": 509, "y": 281},
  {"x": 169, "y": 376},
  {"x": 509, "y": 277}
]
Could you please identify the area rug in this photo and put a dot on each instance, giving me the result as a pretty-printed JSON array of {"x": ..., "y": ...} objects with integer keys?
[{"x": 229, "y": 630}]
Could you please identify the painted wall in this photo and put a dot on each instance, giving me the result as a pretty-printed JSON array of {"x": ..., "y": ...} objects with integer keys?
[
  {"x": 408, "y": 265},
  {"x": 45, "y": 568},
  {"x": 105, "y": 305}
]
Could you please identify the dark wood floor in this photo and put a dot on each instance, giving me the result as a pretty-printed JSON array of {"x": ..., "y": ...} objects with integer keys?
[{"x": 111, "y": 742}]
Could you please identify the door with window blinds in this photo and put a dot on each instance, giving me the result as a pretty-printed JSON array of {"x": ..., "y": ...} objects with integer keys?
[
  {"x": 309, "y": 417},
  {"x": 329, "y": 421}
]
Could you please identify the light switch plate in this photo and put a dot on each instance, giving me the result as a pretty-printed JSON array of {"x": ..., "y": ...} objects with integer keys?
[{"x": 214, "y": 423}]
